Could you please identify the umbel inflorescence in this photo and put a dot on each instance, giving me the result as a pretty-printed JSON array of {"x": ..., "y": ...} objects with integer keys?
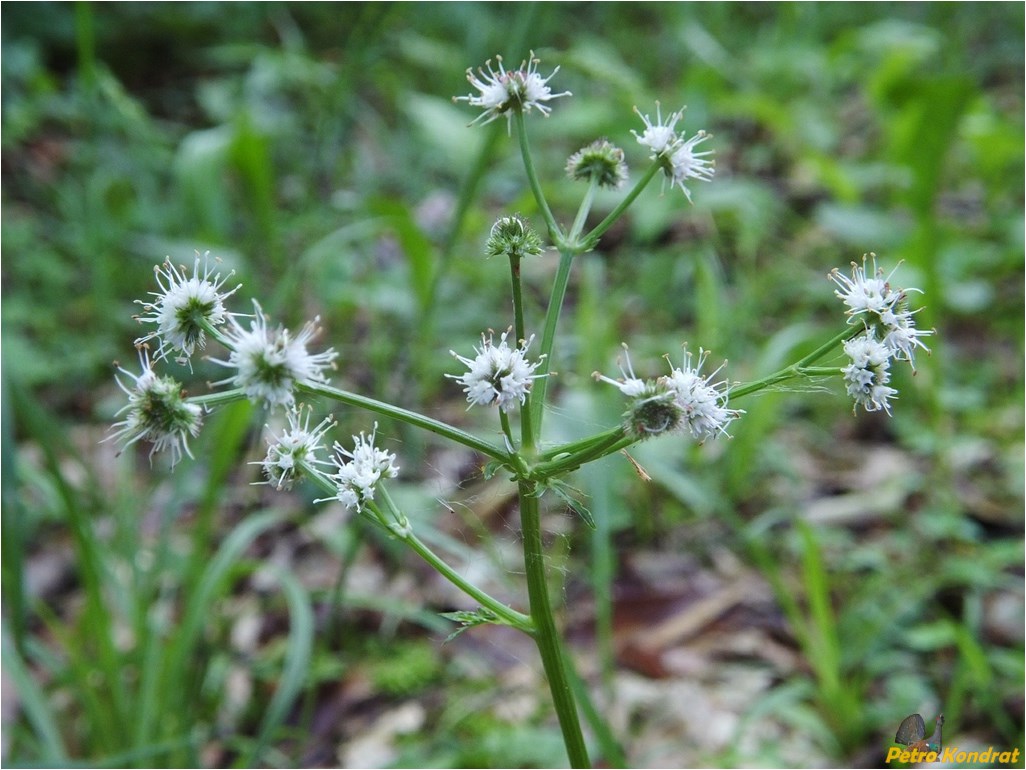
[
  {"x": 274, "y": 368},
  {"x": 267, "y": 364}
]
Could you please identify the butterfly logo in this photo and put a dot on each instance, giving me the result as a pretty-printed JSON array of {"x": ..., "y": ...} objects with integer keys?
[{"x": 912, "y": 732}]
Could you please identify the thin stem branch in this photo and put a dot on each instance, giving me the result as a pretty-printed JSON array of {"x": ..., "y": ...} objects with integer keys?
[
  {"x": 377, "y": 516},
  {"x": 591, "y": 238},
  {"x": 566, "y": 259},
  {"x": 800, "y": 368},
  {"x": 520, "y": 325},
  {"x": 405, "y": 415},
  {"x": 613, "y": 443},
  {"x": 505, "y": 613},
  {"x": 532, "y": 179},
  {"x": 572, "y": 447},
  {"x": 583, "y": 210}
]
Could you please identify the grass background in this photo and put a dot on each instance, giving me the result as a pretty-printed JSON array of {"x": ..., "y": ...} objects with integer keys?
[{"x": 162, "y": 619}]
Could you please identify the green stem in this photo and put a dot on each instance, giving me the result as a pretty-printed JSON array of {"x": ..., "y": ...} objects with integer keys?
[
  {"x": 800, "y": 368},
  {"x": 532, "y": 179},
  {"x": 405, "y": 533},
  {"x": 506, "y": 430},
  {"x": 583, "y": 210},
  {"x": 613, "y": 442},
  {"x": 405, "y": 415},
  {"x": 518, "y": 298},
  {"x": 546, "y": 635},
  {"x": 506, "y": 614},
  {"x": 591, "y": 238},
  {"x": 580, "y": 445},
  {"x": 566, "y": 259},
  {"x": 520, "y": 325}
]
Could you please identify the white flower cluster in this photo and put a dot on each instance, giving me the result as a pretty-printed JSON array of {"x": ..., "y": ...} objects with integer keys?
[
  {"x": 295, "y": 450},
  {"x": 157, "y": 412},
  {"x": 181, "y": 305},
  {"x": 269, "y": 364},
  {"x": 498, "y": 375},
  {"x": 359, "y": 471},
  {"x": 683, "y": 400},
  {"x": 889, "y": 332},
  {"x": 678, "y": 155},
  {"x": 504, "y": 91}
]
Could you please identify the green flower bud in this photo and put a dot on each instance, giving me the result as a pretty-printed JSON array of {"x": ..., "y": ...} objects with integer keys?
[
  {"x": 599, "y": 159},
  {"x": 513, "y": 238}
]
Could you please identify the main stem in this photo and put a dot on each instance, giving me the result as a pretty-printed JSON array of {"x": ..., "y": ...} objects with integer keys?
[{"x": 546, "y": 635}]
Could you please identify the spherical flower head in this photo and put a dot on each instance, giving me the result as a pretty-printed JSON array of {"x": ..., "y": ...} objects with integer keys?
[
  {"x": 684, "y": 400},
  {"x": 294, "y": 452},
  {"x": 514, "y": 238},
  {"x": 157, "y": 412},
  {"x": 871, "y": 299},
  {"x": 504, "y": 92},
  {"x": 600, "y": 160},
  {"x": 270, "y": 363},
  {"x": 900, "y": 333},
  {"x": 180, "y": 306},
  {"x": 499, "y": 374},
  {"x": 868, "y": 373},
  {"x": 659, "y": 136},
  {"x": 686, "y": 163},
  {"x": 702, "y": 402},
  {"x": 678, "y": 157},
  {"x": 867, "y": 292},
  {"x": 359, "y": 470},
  {"x": 653, "y": 411}
]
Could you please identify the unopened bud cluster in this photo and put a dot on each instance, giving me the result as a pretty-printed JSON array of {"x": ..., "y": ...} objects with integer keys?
[
  {"x": 512, "y": 237},
  {"x": 600, "y": 160}
]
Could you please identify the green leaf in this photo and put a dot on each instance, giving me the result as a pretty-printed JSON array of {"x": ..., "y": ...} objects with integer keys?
[
  {"x": 561, "y": 490},
  {"x": 469, "y": 619}
]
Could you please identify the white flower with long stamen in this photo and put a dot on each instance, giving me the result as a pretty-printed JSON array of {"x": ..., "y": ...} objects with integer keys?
[
  {"x": 868, "y": 373},
  {"x": 687, "y": 164},
  {"x": 360, "y": 470},
  {"x": 659, "y": 136},
  {"x": 703, "y": 403},
  {"x": 684, "y": 400},
  {"x": 294, "y": 452},
  {"x": 678, "y": 157},
  {"x": 181, "y": 304},
  {"x": 498, "y": 375},
  {"x": 157, "y": 413},
  {"x": 901, "y": 334},
  {"x": 870, "y": 298},
  {"x": 629, "y": 384},
  {"x": 270, "y": 364},
  {"x": 866, "y": 292},
  {"x": 505, "y": 91}
]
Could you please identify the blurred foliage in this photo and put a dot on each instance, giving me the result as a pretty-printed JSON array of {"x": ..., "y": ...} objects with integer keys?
[{"x": 314, "y": 148}]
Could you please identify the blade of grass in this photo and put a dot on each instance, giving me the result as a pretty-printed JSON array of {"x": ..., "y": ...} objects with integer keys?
[
  {"x": 34, "y": 703},
  {"x": 213, "y": 580},
  {"x": 294, "y": 671},
  {"x": 96, "y": 620},
  {"x": 13, "y": 523}
]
